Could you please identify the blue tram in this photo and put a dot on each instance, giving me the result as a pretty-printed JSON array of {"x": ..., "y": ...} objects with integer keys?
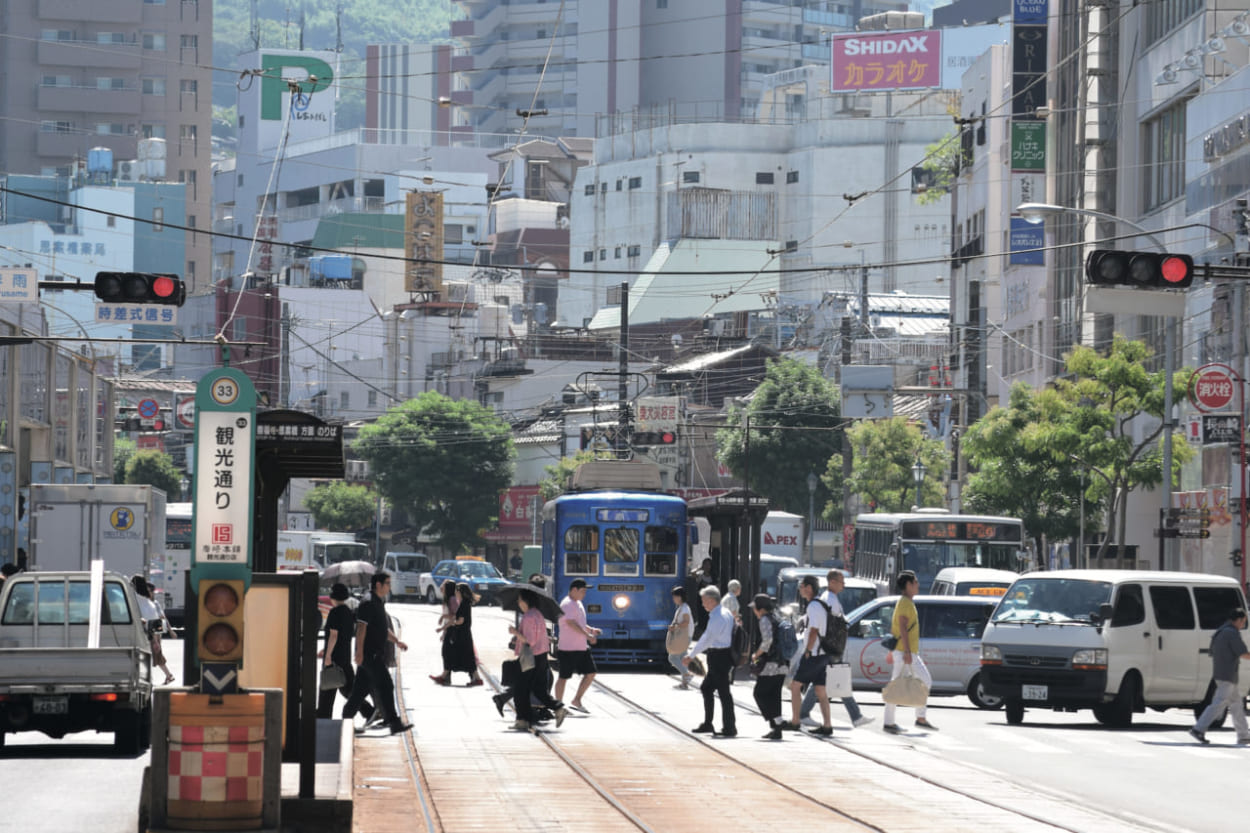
[{"x": 631, "y": 548}]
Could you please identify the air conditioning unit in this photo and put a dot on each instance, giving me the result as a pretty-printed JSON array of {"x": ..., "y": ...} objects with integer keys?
[
  {"x": 357, "y": 470},
  {"x": 128, "y": 171},
  {"x": 457, "y": 293}
]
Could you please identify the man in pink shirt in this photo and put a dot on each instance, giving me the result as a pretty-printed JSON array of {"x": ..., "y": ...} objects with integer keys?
[{"x": 576, "y": 637}]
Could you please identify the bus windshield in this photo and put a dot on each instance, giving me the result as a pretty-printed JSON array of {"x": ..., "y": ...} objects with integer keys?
[
  {"x": 1050, "y": 601},
  {"x": 927, "y": 558}
]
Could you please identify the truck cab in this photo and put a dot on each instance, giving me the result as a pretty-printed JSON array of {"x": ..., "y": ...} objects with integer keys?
[
  {"x": 406, "y": 569},
  {"x": 64, "y": 670}
]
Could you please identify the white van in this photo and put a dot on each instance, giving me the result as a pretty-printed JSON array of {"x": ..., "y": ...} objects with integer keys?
[
  {"x": 770, "y": 567},
  {"x": 972, "y": 581},
  {"x": 1115, "y": 641},
  {"x": 406, "y": 569}
]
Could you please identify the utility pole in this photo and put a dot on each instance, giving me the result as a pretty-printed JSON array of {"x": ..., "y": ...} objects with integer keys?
[
  {"x": 623, "y": 432},
  {"x": 846, "y": 438}
]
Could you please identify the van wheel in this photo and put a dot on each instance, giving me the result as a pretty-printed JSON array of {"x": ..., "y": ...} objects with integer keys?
[
  {"x": 1118, "y": 714},
  {"x": 1206, "y": 701},
  {"x": 1015, "y": 711},
  {"x": 430, "y": 596},
  {"x": 976, "y": 693}
]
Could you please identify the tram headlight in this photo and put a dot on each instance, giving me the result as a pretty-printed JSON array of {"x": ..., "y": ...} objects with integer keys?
[{"x": 620, "y": 603}]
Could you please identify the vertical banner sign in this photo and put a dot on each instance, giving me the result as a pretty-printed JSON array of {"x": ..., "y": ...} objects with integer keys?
[
  {"x": 423, "y": 243},
  {"x": 1029, "y": 55},
  {"x": 225, "y": 453}
]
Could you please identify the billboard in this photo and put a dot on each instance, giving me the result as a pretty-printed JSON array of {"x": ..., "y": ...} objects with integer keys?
[
  {"x": 423, "y": 244},
  {"x": 864, "y": 61}
]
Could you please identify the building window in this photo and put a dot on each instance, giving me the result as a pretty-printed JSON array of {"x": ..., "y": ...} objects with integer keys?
[
  {"x": 152, "y": 131},
  {"x": 154, "y": 41},
  {"x": 189, "y": 89},
  {"x": 106, "y": 128},
  {"x": 590, "y": 190},
  {"x": 635, "y": 182},
  {"x": 792, "y": 246},
  {"x": 240, "y": 180},
  {"x": 764, "y": 178},
  {"x": 792, "y": 177},
  {"x": 603, "y": 187},
  {"x": 614, "y": 296},
  {"x": 634, "y": 251},
  {"x": 1162, "y": 16},
  {"x": 52, "y": 126},
  {"x": 158, "y": 218},
  {"x": 661, "y": 4},
  {"x": 620, "y": 184},
  {"x": 1163, "y": 152},
  {"x": 56, "y": 34},
  {"x": 373, "y": 398},
  {"x": 345, "y": 400},
  {"x": 110, "y": 37},
  {"x": 689, "y": 176},
  {"x": 57, "y": 81},
  {"x": 188, "y": 135},
  {"x": 153, "y": 86},
  {"x": 588, "y": 256},
  {"x": 107, "y": 83},
  {"x": 616, "y": 255},
  {"x": 189, "y": 41},
  {"x": 603, "y": 254},
  {"x": 110, "y": 221}
]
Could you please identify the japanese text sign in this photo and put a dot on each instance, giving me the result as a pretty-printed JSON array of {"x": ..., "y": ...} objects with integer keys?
[
  {"x": 886, "y": 61},
  {"x": 225, "y": 449},
  {"x": 19, "y": 286}
]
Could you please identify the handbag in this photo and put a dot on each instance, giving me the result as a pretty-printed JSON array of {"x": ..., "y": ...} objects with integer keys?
[
  {"x": 906, "y": 690},
  {"x": 889, "y": 642},
  {"x": 332, "y": 676},
  {"x": 677, "y": 641},
  {"x": 838, "y": 681},
  {"x": 526, "y": 659}
]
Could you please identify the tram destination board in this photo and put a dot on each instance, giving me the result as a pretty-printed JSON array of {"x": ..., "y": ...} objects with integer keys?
[{"x": 943, "y": 530}]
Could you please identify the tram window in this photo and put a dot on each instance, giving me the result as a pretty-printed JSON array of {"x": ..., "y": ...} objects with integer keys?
[
  {"x": 620, "y": 552},
  {"x": 581, "y": 563},
  {"x": 581, "y": 539},
  {"x": 661, "y": 544}
]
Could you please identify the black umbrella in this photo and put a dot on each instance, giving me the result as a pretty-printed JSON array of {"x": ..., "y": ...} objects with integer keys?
[{"x": 548, "y": 606}]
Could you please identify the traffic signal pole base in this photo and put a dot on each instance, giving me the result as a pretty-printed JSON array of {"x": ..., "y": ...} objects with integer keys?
[{"x": 216, "y": 762}]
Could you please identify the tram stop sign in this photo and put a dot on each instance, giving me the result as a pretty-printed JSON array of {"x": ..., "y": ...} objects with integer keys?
[{"x": 1212, "y": 387}]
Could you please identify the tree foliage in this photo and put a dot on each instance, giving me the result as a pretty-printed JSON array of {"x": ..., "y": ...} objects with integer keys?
[
  {"x": 941, "y": 166},
  {"x": 342, "y": 507},
  {"x": 795, "y": 427},
  {"x": 123, "y": 448},
  {"x": 884, "y": 451},
  {"x": 154, "y": 468},
  {"x": 1002, "y": 455},
  {"x": 557, "y": 476},
  {"x": 442, "y": 462}
]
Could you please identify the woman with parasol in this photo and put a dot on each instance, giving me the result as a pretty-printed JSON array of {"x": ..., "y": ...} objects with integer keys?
[{"x": 531, "y": 645}]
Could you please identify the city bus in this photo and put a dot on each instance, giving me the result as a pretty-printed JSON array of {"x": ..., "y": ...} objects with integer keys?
[
  {"x": 171, "y": 580},
  {"x": 931, "y": 540}
]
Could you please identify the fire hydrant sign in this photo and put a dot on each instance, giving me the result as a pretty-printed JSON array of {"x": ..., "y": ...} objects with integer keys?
[{"x": 225, "y": 448}]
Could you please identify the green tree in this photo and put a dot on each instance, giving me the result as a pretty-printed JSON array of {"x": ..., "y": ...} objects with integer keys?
[
  {"x": 154, "y": 468},
  {"x": 942, "y": 161},
  {"x": 1001, "y": 456},
  {"x": 1106, "y": 417},
  {"x": 442, "y": 462},
  {"x": 123, "y": 448},
  {"x": 884, "y": 451},
  {"x": 557, "y": 476},
  {"x": 795, "y": 427},
  {"x": 342, "y": 507}
]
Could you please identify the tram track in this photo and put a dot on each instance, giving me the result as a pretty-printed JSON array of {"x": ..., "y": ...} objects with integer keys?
[{"x": 433, "y": 824}]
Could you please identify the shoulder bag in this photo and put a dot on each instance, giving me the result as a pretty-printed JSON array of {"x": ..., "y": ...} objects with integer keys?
[
  {"x": 677, "y": 641},
  {"x": 332, "y": 677}
]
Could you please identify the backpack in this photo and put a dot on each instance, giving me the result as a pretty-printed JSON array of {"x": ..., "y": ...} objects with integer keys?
[
  {"x": 785, "y": 641},
  {"x": 739, "y": 646},
  {"x": 833, "y": 640}
]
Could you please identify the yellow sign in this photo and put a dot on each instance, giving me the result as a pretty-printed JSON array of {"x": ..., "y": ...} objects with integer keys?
[
  {"x": 986, "y": 591},
  {"x": 423, "y": 243}
]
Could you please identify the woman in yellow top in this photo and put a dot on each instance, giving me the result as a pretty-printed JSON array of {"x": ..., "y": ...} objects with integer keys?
[{"x": 906, "y": 628}]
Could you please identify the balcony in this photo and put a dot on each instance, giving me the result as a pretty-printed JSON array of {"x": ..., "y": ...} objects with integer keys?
[
  {"x": 462, "y": 28},
  {"x": 97, "y": 11},
  {"x": 52, "y": 53},
  {"x": 88, "y": 100},
  {"x": 461, "y": 63},
  {"x": 462, "y": 96},
  {"x": 62, "y": 145}
]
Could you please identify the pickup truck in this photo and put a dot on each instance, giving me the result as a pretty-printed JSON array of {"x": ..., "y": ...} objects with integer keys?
[{"x": 52, "y": 680}]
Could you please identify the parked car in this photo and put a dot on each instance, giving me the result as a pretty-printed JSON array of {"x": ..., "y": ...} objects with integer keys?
[
  {"x": 950, "y": 643},
  {"x": 972, "y": 581},
  {"x": 482, "y": 576},
  {"x": 857, "y": 592},
  {"x": 770, "y": 566},
  {"x": 406, "y": 569}
]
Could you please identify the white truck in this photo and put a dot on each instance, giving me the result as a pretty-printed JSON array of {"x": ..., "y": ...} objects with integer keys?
[
  {"x": 782, "y": 534},
  {"x": 407, "y": 570},
  {"x": 72, "y": 525},
  {"x": 70, "y": 665},
  {"x": 318, "y": 549}
]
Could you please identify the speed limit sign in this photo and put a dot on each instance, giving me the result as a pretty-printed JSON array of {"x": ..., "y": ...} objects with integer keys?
[{"x": 184, "y": 411}]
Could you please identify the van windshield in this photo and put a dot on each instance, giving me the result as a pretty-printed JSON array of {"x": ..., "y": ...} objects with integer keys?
[
  {"x": 410, "y": 563},
  {"x": 1047, "y": 601}
]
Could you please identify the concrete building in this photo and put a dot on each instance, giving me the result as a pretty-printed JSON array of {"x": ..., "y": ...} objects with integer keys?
[
  {"x": 109, "y": 74},
  {"x": 694, "y": 60}
]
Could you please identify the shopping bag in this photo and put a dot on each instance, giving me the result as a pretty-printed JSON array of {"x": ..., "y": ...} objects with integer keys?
[
  {"x": 526, "y": 658},
  {"x": 677, "y": 641},
  {"x": 332, "y": 677},
  {"x": 906, "y": 690},
  {"x": 838, "y": 681}
]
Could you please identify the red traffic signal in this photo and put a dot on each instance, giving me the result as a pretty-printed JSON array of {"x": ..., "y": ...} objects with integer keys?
[
  {"x": 649, "y": 438},
  {"x": 139, "y": 288},
  {"x": 1143, "y": 270}
]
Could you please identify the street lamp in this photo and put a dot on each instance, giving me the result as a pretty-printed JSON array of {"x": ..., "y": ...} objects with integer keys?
[
  {"x": 812, "y": 482},
  {"x": 1037, "y": 212},
  {"x": 917, "y": 472}
]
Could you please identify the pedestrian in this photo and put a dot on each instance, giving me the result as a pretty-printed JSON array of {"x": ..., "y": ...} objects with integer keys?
[
  {"x": 905, "y": 627},
  {"x": 373, "y": 632},
  {"x": 339, "y": 628},
  {"x": 509, "y": 674},
  {"x": 531, "y": 646},
  {"x": 835, "y": 584},
  {"x": 681, "y": 631},
  {"x": 1227, "y": 650},
  {"x": 773, "y": 673},
  {"x": 153, "y": 623},
  {"x": 812, "y": 660},
  {"x": 464, "y": 652},
  {"x": 704, "y": 576},
  {"x": 716, "y": 642},
  {"x": 730, "y": 599},
  {"x": 576, "y": 637},
  {"x": 446, "y": 619}
]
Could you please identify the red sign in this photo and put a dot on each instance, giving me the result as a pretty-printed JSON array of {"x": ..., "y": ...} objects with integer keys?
[
  {"x": 146, "y": 441},
  {"x": 515, "y": 507},
  {"x": 886, "y": 61},
  {"x": 223, "y": 534},
  {"x": 1212, "y": 387}
]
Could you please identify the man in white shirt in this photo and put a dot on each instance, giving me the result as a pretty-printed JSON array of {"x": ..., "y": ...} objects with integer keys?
[
  {"x": 716, "y": 641},
  {"x": 836, "y": 584},
  {"x": 812, "y": 660}
]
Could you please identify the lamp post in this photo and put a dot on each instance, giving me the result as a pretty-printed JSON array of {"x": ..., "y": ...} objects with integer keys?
[
  {"x": 917, "y": 472},
  {"x": 812, "y": 482}
]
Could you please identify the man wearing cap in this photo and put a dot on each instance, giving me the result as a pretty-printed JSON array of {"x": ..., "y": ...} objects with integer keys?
[
  {"x": 576, "y": 637},
  {"x": 716, "y": 642}
]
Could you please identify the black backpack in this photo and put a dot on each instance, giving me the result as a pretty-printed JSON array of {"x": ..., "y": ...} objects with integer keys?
[
  {"x": 833, "y": 640},
  {"x": 739, "y": 646}
]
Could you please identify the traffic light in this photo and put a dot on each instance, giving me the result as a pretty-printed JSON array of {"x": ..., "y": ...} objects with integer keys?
[
  {"x": 1143, "y": 270},
  {"x": 220, "y": 623},
  {"x": 650, "y": 438},
  {"x": 139, "y": 288}
]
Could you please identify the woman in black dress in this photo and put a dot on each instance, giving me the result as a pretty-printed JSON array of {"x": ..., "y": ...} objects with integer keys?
[
  {"x": 462, "y": 656},
  {"x": 446, "y": 620}
]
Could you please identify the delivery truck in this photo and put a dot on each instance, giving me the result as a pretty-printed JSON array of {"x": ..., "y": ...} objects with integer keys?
[
  {"x": 72, "y": 525},
  {"x": 318, "y": 549}
]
